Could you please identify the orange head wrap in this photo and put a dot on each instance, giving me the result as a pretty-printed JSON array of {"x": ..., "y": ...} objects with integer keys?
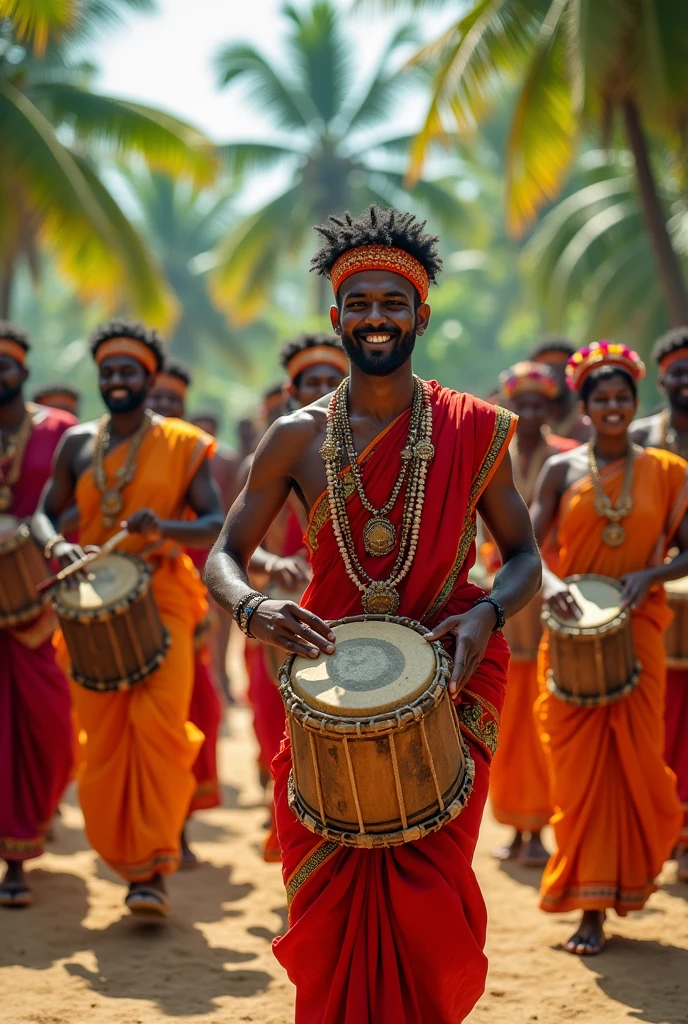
[
  {"x": 380, "y": 257},
  {"x": 316, "y": 355},
  {"x": 131, "y": 347},
  {"x": 170, "y": 382},
  {"x": 673, "y": 357},
  {"x": 11, "y": 348}
]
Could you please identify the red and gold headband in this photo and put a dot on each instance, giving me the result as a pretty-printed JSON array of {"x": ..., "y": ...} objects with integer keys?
[
  {"x": 380, "y": 257},
  {"x": 316, "y": 356},
  {"x": 11, "y": 348},
  {"x": 527, "y": 377},
  {"x": 127, "y": 347},
  {"x": 673, "y": 357},
  {"x": 602, "y": 353},
  {"x": 169, "y": 382}
]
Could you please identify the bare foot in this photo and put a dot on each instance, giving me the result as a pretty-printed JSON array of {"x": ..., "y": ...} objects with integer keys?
[
  {"x": 533, "y": 854},
  {"x": 148, "y": 897},
  {"x": 510, "y": 852},
  {"x": 189, "y": 859},
  {"x": 588, "y": 940},
  {"x": 14, "y": 888},
  {"x": 682, "y": 858}
]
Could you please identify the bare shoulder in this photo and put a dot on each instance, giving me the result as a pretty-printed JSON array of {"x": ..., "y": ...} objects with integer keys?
[
  {"x": 643, "y": 430},
  {"x": 290, "y": 439},
  {"x": 78, "y": 435}
]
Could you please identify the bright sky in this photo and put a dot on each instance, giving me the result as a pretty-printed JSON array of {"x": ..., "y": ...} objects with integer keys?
[{"x": 167, "y": 59}]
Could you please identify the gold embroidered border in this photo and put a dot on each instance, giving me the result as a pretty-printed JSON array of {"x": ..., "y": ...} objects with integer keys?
[
  {"x": 23, "y": 847},
  {"x": 481, "y": 720},
  {"x": 500, "y": 434},
  {"x": 321, "y": 513},
  {"x": 158, "y": 861},
  {"x": 320, "y": 855},
  {"x": 631, "y": 899}
]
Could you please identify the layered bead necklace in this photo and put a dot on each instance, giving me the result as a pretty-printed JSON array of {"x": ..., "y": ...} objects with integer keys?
[
  {"x": 379, "y": 597},
  {"x": 12, "y": 456},
  {"x": 613, "y": 534},
  {"x": 111, "y": 501}
]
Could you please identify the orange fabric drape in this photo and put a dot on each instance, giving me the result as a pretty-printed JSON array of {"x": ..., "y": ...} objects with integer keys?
[
  {"x": 136, "y": 780},
  {"x": 396, "y": 936},
  {"x": 616, "y": 813}
]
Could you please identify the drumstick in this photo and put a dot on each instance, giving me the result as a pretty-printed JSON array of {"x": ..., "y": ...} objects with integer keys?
[{"x": 92, "y": 556}]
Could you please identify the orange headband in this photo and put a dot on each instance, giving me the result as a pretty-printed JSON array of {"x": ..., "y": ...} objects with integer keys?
[
  {"x": 127, "y": 347},
  {"x": 315, "y": 356},
  {"x": 13, "y": 349},
  {"x": 673, "y": 357},
  {"x": 58, "y": 396},
  {"x": 171, "y": 383},
  {"x": 380, "y": 257}
]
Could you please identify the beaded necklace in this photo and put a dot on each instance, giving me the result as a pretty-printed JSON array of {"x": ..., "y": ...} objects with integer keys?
[
  {"x": 613, "y": 534},
  {"x": 111, "y": 501},
  {"x": 12, "y": 452}
]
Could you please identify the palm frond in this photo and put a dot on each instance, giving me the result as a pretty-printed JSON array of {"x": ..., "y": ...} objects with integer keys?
[
  {"x": 267, "y": 90},
  {"x": 241, "y": 158},
  {"x": 385, "y": 84},
  {"x": 38, "y": 21},
  {"x": 544, "y": 130},
  {"x": 595, "y": 29},
  {"x": 320, "y": 57},
  {"x": 120, "y": 128}
]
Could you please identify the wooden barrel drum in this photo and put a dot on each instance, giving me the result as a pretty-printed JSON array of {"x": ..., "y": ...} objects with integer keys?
[
  {"x": 378, "y": 757},
  {"x": 592, "y": 661},
  {"x": 676, "y": 636},
  {"x": 22, "y": 567},
  {"x": 111, "y": 624}
]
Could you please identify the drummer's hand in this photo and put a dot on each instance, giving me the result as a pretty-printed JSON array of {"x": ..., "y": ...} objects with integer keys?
[
  {"x": 290, "y": 573},
  {"x": 473, "y": 630},
  {"x": 145, "y": 522},
  {"x": 635, "y": 587},
  {"x": 65, "y": 553},
  {"x": 557, "y": 595},
  {"x": 284, "y": 624}
]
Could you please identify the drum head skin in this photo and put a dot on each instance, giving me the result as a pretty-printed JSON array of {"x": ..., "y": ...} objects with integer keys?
[
  {"x": 111, "y": 578},
  {"x": 599, "y": 600},
  {"x": 679, "y": 587},
  {"x": 376, "y": 667}
]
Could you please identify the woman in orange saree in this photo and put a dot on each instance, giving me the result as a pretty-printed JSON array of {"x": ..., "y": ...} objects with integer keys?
[{"x": 616, "y": 508}]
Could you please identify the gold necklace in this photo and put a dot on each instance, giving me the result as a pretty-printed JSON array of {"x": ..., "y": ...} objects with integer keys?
[
  {"x": 379, "y": 597},
  {"x": 111, "y": 501},
  {"x": 379, "y": 534},
  {"x": 13, "y": 452},
  {"x": 525, "y": 483},
  {"x": 613, "y": 534}
]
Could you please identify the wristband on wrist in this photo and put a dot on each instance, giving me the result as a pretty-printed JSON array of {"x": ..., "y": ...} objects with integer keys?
[
  {"x": 499, "y": 611},
  {"x": 245, "y": 608},
  {"x": 51, "y": 544}
]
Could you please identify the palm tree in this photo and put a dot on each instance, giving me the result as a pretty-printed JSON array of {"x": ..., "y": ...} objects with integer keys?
[
  {"x": 54, "y": 132},
  {"x": 577, "y": 63},
  {"x": 327, "y": 136}
]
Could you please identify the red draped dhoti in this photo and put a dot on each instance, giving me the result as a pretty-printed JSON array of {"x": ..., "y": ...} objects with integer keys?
[{"x": 676, "y": 736}]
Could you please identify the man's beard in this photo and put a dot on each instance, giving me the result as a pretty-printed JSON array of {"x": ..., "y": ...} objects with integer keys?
[
  {"x": 132, "y": 401},
  {"x": 677, "y": 401},
  {"x": 379, "y": 364},
  {"x": 8, "y": 394}
]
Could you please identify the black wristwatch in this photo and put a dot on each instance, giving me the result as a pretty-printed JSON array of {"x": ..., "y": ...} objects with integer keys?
[{"x": 501, "y": 618}]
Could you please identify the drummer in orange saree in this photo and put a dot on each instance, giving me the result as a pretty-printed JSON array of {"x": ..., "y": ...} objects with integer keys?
[
  {"x": 617, "y": 509},
  {"x": 396, "y": 935},
  {"x": 136, "y": 780}
]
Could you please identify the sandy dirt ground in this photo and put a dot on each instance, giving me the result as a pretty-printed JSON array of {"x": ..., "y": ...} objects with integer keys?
[{"x": 77, "y": 957}]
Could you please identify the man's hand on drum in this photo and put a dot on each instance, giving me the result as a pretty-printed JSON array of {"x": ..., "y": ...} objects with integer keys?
[
  {"x": 284, "y": 624},
  {"x": 145, "y": 522},
  {"x": 473, "y": 630},
  {"x": 290, "y": 573},
  {"x": 558, "y": 596},
  {"x": 65, "y": 554},
  {"x": 635, "y": 587}
]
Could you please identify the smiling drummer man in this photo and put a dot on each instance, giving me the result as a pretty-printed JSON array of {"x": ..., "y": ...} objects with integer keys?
[
  {"x": 136, "y": 779},
  {"x": 387, "y": 936}
]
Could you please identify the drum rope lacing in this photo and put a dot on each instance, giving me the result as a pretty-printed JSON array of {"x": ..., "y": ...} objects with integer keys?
[
  {"x": 111, "y": 501},
  {"x": 613, "y": 534},
  {"x": 378, "y": 596}
]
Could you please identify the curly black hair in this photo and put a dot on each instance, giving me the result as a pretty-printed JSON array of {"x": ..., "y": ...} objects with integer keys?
[
  {"x": 376, "y": 226},
  {"x": 304, "y": 341},
  {"x": 129, "y": 329},
  {"x": 55, "y": 388},
  {"x": 562, "y": 345},
  {"x": 176, "y": 368},
  {"x": 13, "y": 333},
  {"x": 670, "y": 342},
  {"x": 601, "y": 374}
]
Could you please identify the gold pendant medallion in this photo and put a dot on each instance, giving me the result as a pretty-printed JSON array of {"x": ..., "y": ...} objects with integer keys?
[
  {"x": 379, "y": 536},
  {"x": 111, "y": 505},
  {"x": 380, "y": 599},
  {"x": 613, "y": 535},
  {"x": 5, "y": 497}
]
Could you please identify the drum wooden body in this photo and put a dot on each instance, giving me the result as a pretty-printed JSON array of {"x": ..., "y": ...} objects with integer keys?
[
  {"x": 111, "y": 624},
  {"x": 523, "y": 631},
  {"x": 22, "y": 567},
  {"x": 592, "y": 661},
  {"x": 676, "y": 636},
  {"x": 378, "y": 758}
]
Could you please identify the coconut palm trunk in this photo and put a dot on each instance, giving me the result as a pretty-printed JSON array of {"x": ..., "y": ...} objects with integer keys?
[{"x": 668, "y": 265}]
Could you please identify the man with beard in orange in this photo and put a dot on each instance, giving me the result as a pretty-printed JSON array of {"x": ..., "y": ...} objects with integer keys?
[{"x": 393, "y": 935}]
